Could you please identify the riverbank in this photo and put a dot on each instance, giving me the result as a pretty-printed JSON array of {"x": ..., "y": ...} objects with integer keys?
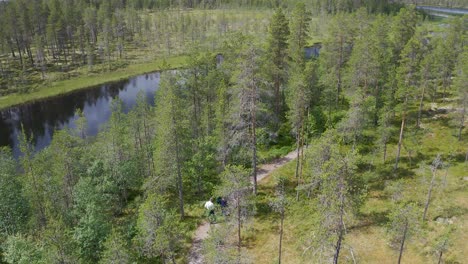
[{"x": 86, "y": 81}]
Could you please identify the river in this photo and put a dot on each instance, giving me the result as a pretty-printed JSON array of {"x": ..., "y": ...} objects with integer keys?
[
  {"x": 443, "y": 11},
  {"x": 42, "y": 118}
]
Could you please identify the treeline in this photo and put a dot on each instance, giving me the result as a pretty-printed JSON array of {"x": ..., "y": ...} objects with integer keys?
[
  {"x": 43, "y": 41},
  {"x": 125, "y": 194},
  {"x": 50, "y": 40},
  {"x": 440, "y": 3}
]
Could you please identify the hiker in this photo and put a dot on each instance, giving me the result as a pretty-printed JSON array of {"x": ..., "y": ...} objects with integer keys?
[
  {"x": 210, "y": 207},
  {"x": 223, "y": 204}
]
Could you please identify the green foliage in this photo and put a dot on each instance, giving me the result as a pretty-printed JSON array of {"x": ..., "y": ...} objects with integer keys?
[
  {"x": 22, "y": 250},
  {"x": 91, "y": 199},
  {"x": 159, "y": 230},
  {"x": 460, "y": 82},
  {"x": 402, "y": 29},
  {"x": 201, "y": 168},
  {"x": 331, "y": 176},
  {"x": 96, "y": 199},
  {"x": 403, "y": 224},
  {"x": 171, "y": 135},
  {"x": 276, "y": 63},
  {"x": 58, "y": 244},
  {"x": 116, "y": 250},
  {"x": 299, "y": 27},
  {"x": 14, "y": 207}
]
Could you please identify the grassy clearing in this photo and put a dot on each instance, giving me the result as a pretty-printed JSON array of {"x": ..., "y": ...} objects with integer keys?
[
  {"x": 65, "y": 86},
  {"x": 366, "y": 239}
]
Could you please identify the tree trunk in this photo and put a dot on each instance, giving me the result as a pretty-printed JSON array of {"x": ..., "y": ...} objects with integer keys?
[
  {"x": 277, "y": 101},
  {"x": 429, "y": 193},
  {"x": 441, "y": 253},
  {"x": 340, "y": 226},
  {"x": 179, "y": 173},
  {"x": 400, "y": 141},
  {"x": 462, "y": 120},
  {"x": 403, "y": 241},
  {"x": 42, "y": 213},
  {"x": 19, "y": 52},
  {"x": 421, "y": 101},
  {"x": 445, "y": 84},
  {"x": 281, "y": 236},
  {"x": 254, "y": 150},
  {"x": 338, "y": 75},
  {"x": 239, "y": 240},
  {"x": 385, "y": 152},
  {"x": 298, "y": 160},
  {"x": 30, "y": 56},
  {"x": 300, "y": 157}
]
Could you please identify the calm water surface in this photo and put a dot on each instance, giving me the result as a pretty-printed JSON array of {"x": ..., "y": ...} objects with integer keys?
[
  {"x": 443, "y": 10},
  {"x": 41, "y": 118}
]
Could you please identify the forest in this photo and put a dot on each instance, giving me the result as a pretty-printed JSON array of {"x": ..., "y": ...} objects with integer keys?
[{"x": 356, "y": 152}]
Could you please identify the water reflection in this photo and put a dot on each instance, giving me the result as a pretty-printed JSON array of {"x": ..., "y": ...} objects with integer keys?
[{"x": 43, "y": 117}]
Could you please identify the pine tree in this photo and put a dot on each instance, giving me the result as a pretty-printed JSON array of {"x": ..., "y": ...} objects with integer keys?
[
  {"x": 171, "y": 137},
  {"x": 402, "y": 30},
  {"x": 279, "y": 204},
  {"x": 248, "y": 106},
  {"x": 333, "y": 176},
  {"x": 299, "y": 27},
  {"x": 407, "y": 81},
  {"x": 235, "y": 187},
  {"x": 298, "y": 96},
  {"x": 460, "y": 83},
  {"x": 335, "y": 55},
  {"x": 276, "y": 57},
  {"x": 402, "y": 226}
]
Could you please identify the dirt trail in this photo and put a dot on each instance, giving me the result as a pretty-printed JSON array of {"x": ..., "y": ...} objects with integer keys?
[{"x": 195, "y": 255}]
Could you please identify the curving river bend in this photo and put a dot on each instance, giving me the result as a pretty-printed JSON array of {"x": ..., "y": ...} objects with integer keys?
[{"x": 43, "y": 117}]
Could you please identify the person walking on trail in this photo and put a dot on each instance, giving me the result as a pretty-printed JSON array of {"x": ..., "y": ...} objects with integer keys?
[
  {"x": 223, "y": 205},
  {"x": 221, "y": 201},
  {"x": 210, "y": 207}
]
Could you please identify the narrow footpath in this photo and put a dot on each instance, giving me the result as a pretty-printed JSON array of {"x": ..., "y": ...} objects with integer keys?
[{"x": 196, "y": 254}]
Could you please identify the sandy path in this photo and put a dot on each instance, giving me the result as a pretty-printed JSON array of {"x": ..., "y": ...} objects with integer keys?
[{"x": 195, "y": 255}]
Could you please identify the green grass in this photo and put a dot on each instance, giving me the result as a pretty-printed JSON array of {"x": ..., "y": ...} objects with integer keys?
[
  {"x": 66, "y": 86},
  {"x": 275, "y": 152},
  {"x": 367, "y": 233}
]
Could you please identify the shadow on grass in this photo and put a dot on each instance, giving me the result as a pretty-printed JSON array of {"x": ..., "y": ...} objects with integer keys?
[
  {"x": 373, "y": 218},
  {"x": 263, "y": 208},
  {"x": 377, "y": 180},
  {"x": 460, "y": 157},
  {"x": 413, "y": 161}
]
